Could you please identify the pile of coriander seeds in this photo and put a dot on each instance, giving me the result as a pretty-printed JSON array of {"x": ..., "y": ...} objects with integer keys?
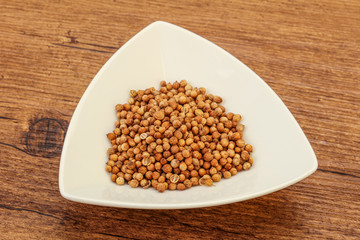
[{"x": 175, "y": 138}]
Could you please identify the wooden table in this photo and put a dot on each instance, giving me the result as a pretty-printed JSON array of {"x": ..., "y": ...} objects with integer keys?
[{"x": 307, "y": 52}]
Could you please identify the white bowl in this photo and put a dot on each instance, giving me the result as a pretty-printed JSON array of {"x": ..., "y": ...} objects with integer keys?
[{"x": 162, "y": 51}]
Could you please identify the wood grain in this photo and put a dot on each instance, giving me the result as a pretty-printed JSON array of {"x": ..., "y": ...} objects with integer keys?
[{"x": 308, "y": 52}]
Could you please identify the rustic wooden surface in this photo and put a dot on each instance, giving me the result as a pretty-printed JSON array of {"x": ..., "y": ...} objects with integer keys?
[{"x": 307, "y": 52}]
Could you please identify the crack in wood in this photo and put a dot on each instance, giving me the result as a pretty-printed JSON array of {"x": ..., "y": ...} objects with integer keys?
[
  {"x": 80, "y": 48},
  {"x": 339, "y": 173},
  {"x": 29, "y": 210},
  {"x": 118, "y": 236},
  {"x": 13, "y": 146},
  {"x": 7, "y": 118},
  {"x": 98, "y": 45}
]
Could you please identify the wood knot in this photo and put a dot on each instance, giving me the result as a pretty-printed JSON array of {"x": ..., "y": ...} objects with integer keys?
[{"x": 45, "y": 137}]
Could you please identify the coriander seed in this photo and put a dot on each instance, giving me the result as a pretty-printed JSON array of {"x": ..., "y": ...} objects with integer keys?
[{"x": 176, "y": 137}]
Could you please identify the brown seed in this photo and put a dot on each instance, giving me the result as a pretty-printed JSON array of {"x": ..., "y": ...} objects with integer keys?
[
  {"x": 108, "y": 168},
  {"x": 216, "y": 177},
  {"x": 113, "y": 177},
  {"x": 142, "y": 170},
  {"x": 199, "y": 112},
  {"x": 161, "y": 179},
  {"x": 138, "y": 176},
  {"x": 206, "y": 165},
  {"x": 233, "y": 171},
  {"x": 178, "y": 134},
  {"x": 236, "y": 160},
  {"x": 248, "y": 148},
  {"x": 174, "y": 149},
  {"x": 162, "y": 83},
  {"x": 168, "y": 110},
  {"x": 113, "y": 158},
  {"x": 196, "y": 162},
  {"x": 146, "y": 161},
  {"x": 111, "y": 136},
  {"x": 227, "y": 174},
  {"x": 159, "y": 115},
  {"x": 206, "y": 180},
  {"x": 174, "y": 178},
  {"x": 176, "y": 123},
  {"x": 202, "y": 172},
  {"x": 189, "y": 141},
  {"x": 155, "y": 175},
  {"x": 213, "y": 171},
  {"x": 167, "y": 168},
  {"x": 246, "y": 166},
  {"x": 115, "y": 170},
  {"x": 154, "y": 183},
  {"x": 236, "y": 118},
  {"x": 172, "y": 186},
  {"x": 240, "y": 143},
  {"x": 145, "y": 136},
  {"x": 120, "y": 181},
  {"x": 194, "y": 181},
  {"x": 182, "y": 166},
  {"x": 183, "y": 100},
  {"x": 217, "y": 99},
  {"x": 180, "y": 186},
  {"x": 183, "y": 83},
  {"x": 236, "y": 136},
  {"x": 240, "y": 128},
  {"x": 193, "y": 94},
  {"x": 224, "y": 142},
  {"x": 208, "y": 157},
  {"x": 202, "y": 90},
  {"x": 119, "y": 107},
  {"x": 245, "y": 155},
  {"x": 134, "y": 183},
  {"x": 186, "y": 153},
  {"x": 145, "y": 183},
  {"x": 188, "y": 183},
  {"x": 159, "y": 148},
  {"x": 161, "y": 187}
]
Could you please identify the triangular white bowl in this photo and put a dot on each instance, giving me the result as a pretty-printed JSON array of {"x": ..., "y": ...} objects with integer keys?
[{"x": 162, "y": 51}]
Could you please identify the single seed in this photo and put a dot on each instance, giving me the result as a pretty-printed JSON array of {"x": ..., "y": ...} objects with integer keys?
[
  {"x": 182, "y": 166},
  {"x": 174, "y": 178},
  {"x": 161, "y": 187},
  {"x": 175, "y": 163},
  {"x": 180, "y": 186},
  {"x": 143, "y": 136},
  {"x": 227, "y": 174},
  {"x": 134, "y": 183},
  {"x": 188, "y": 183},
  {"x": 172, "y": 186},
  {"x": 183, "y": 83},
  {"x": 167, "y": 168},
  {"x": 159, "y": 115},
  {"x": 248, "y": 148},
  {"x": 182, "y": 100},
  {"x": 233, "y": 171},
  {"x": 120, "y": 181},
  {"x": 245, "y": 155},
  {"x": 246, "y": 166},
  {"x": 208, "y": 157},
  {"x": 216, "y": 177},
  {"x": 113, "y": 177}
]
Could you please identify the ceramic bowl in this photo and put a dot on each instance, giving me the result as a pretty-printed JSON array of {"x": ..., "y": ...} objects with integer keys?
[{"x": 162, "y": 51}]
